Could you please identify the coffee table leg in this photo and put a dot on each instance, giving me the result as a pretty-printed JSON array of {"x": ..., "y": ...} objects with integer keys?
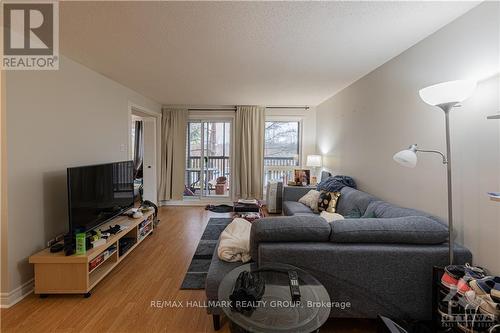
[{"x": 216, "y": 320}]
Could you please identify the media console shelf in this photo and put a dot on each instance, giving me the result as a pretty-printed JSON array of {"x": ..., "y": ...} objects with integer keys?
[{"x": 56, "y": 273}]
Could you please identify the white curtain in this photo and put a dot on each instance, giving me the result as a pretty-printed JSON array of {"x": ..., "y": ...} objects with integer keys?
[
  {"x": 249, "y": 151},
  {"x": 173, "y": 153}
]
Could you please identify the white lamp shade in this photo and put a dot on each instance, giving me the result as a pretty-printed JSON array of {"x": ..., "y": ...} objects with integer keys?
[
  {"x": 407, "y": 158},
  {"x": 448, "y": 92},
  {"x": 313, "y": 161}
]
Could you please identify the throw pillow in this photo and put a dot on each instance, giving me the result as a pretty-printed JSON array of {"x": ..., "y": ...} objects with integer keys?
[
  {"x": 330, "y": 217},
  {"x": 311, "y": 200},
  {"x": 328, "y": 201}
]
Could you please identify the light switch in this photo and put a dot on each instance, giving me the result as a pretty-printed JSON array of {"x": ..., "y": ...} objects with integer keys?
[{"x": 123, "y": 147}]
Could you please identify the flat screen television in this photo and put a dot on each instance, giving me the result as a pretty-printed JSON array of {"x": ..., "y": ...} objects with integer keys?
[{"x": 97, "y": 193}]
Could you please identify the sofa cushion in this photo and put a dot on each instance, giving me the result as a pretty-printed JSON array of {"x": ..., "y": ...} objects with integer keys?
[
  {"x": 353, "y": 199},
  {"x": 293, "y": 207},
  {"x": 382, "y": 209},
  {"x": 310, "y": 228},
  {"x": 402, "y": 230}
]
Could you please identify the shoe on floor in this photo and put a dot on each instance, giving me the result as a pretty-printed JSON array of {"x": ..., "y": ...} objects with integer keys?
[
  {"x": 458, "y": 276},
  {"x": 471, "y": 273},
  {"x": 478, "y": 311},
  {"x": 495, "y": 291},
  {"x": 489, "y": 306},
  {"x": 484, "y": 302},
  {"x": 451, "y": 275},
  {"x": 485, "y": 285}
]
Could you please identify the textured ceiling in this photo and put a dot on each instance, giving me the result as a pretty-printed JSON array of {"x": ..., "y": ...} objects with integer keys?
[{"x": 224, "y": 53}]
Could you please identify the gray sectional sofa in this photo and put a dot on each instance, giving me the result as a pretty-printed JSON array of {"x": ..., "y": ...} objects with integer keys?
[{"x": 380, "y": 263}]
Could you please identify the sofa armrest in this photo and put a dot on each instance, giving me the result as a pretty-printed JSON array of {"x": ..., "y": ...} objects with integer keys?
[
  {"x": 402, "y": 230},
  {"x": 294, "y": 193},
  {"x": 288, "y": 229}
]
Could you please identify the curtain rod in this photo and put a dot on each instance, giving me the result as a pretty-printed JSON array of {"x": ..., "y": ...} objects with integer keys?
[{"x": 234, "y": 109}]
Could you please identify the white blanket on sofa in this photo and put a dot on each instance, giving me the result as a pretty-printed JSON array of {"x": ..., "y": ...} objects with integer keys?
[{"x": 234, "y": 244}]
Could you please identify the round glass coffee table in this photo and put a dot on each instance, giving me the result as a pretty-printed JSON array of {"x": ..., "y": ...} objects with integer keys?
[{"x": 276, "y": 312}]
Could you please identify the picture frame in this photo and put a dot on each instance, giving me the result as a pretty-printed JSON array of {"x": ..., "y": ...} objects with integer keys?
[{"x": 302, "y": 177}]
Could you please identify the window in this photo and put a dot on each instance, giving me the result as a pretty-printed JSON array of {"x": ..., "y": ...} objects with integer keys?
[
  {"x": 281, "y": 150},
  {"x": 282, "y": 143}
]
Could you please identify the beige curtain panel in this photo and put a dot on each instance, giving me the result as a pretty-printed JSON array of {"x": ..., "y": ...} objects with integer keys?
[
  {"x": 249, "y": 151},
  {"x": 173, "y": 153}
]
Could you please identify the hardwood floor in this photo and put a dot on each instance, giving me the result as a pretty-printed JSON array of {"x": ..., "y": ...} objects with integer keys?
[{"x": 122, "y": 301}]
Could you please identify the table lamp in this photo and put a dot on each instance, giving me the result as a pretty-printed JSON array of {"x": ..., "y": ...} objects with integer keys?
[{"x": 314, "y": 161}]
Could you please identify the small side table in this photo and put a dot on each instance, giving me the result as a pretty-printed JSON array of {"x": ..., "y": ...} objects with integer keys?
[{"x": 277, "y": 313}]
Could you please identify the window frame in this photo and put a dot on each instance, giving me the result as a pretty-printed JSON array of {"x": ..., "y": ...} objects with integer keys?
[{"x": 285, "y": 118}]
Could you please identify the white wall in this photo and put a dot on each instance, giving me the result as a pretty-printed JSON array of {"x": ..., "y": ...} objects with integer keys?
[
  {"x": 57, "y": 119},
  {"x": 360, "y": 128}
]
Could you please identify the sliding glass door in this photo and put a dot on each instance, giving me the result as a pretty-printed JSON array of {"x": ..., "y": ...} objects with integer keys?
[{"x": 208, "y": 164}]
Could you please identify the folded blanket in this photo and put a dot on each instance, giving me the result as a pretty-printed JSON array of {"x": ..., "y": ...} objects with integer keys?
[
  {"x": 234, "y": 241},
  {"x": 336, "y": 183}
]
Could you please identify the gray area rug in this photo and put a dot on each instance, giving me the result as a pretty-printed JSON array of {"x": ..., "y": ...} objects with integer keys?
[{"x": 198, "y": 269}]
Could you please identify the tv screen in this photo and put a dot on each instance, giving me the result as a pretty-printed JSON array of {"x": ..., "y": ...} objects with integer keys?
[{"x": 97, "y": 193}]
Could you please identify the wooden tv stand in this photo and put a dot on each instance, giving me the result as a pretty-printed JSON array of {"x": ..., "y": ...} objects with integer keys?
[{"x": 56, "y": 273}]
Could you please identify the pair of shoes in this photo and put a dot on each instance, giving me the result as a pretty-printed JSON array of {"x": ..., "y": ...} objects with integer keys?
[
  {"x": 457, "y": 277},
  {"x": 487, "y": 290},
  {"x": 487, "y": 285},
  {"x": 483, "y": 304},
  {"x": 477, "y": 314}
]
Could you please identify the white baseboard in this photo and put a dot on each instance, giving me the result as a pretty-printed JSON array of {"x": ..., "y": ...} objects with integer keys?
[{"x": 9, "y": 299}]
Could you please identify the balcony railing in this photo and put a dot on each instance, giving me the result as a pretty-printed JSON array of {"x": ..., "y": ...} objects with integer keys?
[
  {"x": 275, "y": 168},
  {"x": 279, "y": 169},
  {"x": 215, "y": 166}
]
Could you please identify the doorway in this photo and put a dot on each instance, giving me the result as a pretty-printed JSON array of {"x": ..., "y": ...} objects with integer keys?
[
  {"x": 208, "y": 159},
  {"x": 143, "y": 151}
]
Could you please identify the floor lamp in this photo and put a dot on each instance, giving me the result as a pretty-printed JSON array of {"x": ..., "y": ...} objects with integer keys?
[{"x": 445, "y": 96}]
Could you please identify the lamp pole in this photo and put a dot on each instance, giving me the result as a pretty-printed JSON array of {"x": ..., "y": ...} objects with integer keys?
[{"x": 447, "y": 108}]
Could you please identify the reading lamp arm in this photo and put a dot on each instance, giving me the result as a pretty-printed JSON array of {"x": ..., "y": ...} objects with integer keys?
[{"x": 445, "y": 160}]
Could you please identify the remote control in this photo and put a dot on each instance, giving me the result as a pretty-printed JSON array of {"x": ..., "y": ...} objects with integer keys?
[{"x": 294, "y": 285}]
